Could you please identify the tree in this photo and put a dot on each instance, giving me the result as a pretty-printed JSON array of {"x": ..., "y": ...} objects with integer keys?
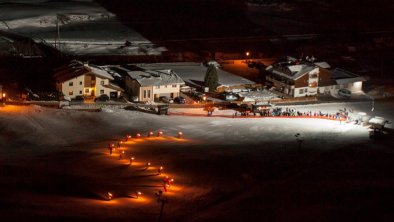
[{"x": 211, "y": 78}]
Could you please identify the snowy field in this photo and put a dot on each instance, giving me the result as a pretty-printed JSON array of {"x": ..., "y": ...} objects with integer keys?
[
  {"x": 84, "y": 27},
  {"x": 54, "y": 166}
]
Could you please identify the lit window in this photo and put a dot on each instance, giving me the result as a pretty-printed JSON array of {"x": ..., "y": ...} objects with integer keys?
[
  {"x": 101, "y": 91},
  {"x": 70, "y": 83}
]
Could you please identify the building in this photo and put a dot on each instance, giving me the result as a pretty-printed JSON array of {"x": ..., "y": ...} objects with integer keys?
[
  {"x": 297, "y": 78},
  {"x": 81, "y": 79},
  {"x": 194, "y": 73},
  {"x": 150, "y": 85}
]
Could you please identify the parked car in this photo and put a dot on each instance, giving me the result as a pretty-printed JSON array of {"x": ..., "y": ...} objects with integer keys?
[
  {"x": 102, "y": 98},
  {"x": 344, "y": 93},
  {"x": 230, "y": 96},
  {"x": 165, "y": 99},
  {"x": 79, "y": 98},
  {"x": 180, "y": 100}
]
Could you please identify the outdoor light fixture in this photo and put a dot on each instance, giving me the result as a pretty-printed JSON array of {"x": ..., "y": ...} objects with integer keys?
[
  {"x": 150, "y": 134},
  {"x": 159, "y": 133},
  {"x": 180, "y": 134},
  {"x": 247, "y": 53},
  {"x": 138, "y": 194},
  {"x": 138, "y": 135},
  {"x": 109, "y": 196}
]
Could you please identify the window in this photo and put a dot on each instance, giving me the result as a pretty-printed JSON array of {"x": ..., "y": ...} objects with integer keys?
[
  {"x": 86, "y": 90},
  {"x": 306, "y": 90},
  {"x": 80, "y": 83},
  {"x": 70, "y": 84},
  {"x": 166, "y": 86},
  {"x": 101, "y": 91},
  {"x": 157, "y": 87},
  {"x": 148, "y": 93},
  {"x": 80, "y": 92},
  {"x": 301, "y": 91},
  {"x": 102, "y": 82},
  {"x": 173, "y": 86},
  {"x": 144, "y": 94},
  {"x": 70, "y": 93}
]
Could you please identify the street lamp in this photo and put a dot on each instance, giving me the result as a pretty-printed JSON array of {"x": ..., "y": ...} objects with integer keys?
[{"x": 180, "y": 134}]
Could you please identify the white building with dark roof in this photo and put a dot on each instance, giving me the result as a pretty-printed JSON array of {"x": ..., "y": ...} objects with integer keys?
[
  {"x": 149, "y": 85},
  {"x": 297, "y": 77},
  {"x": 81, "y": 79}
]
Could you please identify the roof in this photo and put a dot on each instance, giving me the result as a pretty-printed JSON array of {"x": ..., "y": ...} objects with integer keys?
[
  {"x": 77, "y": 68},
  {"x": 323, "y": 65},
  {"x": 291, "y": 71},
  {"x": 345, "y": 77},
  {"x": 156, "y": 77},
  {"x": 194, "y": 73},
  {"x": 114, "y": 87}
]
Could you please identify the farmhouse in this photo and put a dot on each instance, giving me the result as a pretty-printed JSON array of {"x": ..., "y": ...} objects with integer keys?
[
  {"x": 298, "y": 77},
  {"x": 81, "y": 79},
  {"x": 150, "y": 85}
]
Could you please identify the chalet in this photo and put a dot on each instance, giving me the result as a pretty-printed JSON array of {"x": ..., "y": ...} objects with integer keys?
[
  {"x": 297, "y": 78},
  {"x": 149, "y": 85},
  {"x": 81, "y": 79}
]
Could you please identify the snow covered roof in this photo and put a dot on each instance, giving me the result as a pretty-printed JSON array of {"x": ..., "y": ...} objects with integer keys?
[
  {"x": 291, "y": 71},
  {"x": 77, "y": 68},
  {"x": 113, "y": 86},
  {"x": 156, "y": 77},
  {"x": 194, "y": 73},
  {"x": 344, "y": 77},
  {"x": 323, "y": 65}
]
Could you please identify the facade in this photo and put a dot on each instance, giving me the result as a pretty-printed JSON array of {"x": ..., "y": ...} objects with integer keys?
[
  {"x": 150, "y": 85},
  {"x": 297, "y": 78},
  {"x": 79, "y": 79}
]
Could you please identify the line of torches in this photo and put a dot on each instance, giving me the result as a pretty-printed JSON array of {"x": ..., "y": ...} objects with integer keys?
[{"x": 166, "y": 180}]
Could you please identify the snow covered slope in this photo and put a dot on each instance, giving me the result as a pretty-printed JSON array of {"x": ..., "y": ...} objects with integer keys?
[{"x": 84, "y": 27}]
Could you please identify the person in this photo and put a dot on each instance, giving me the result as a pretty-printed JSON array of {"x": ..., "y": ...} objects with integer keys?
[
  {"x": 118, "y": 144},
  {"x": 120, "y": 156},
  {"x": 159, "y": 170}
]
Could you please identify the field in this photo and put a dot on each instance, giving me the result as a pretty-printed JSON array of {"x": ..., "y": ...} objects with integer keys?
[{"x": 55, "y": 166}]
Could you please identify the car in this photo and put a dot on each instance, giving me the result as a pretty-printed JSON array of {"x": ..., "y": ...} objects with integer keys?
[
  {"x": 180, "y": 100},
  {"x": 344, "y": 93},
  {"x": 102, "y": 98},
  {"x": 79, "y": 98},
  {"x": 165, "y": 99},
  {"x": 230, "y": 96}
]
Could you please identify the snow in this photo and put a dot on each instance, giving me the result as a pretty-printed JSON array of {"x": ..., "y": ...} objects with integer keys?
[
  {"x": 84, "y": 28},
  {"x": 64, "y": 152}
]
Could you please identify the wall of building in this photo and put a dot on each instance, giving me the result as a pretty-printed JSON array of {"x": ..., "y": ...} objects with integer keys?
[
  {"x": 76, "y": 89},
  {"x": 355, "y": 87},
  {"x": 166, "y": 90},
  {"x": 300, "y": 92},
  {"x": 145, "y": 97},
  {"x": 100, "y": 89}
]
